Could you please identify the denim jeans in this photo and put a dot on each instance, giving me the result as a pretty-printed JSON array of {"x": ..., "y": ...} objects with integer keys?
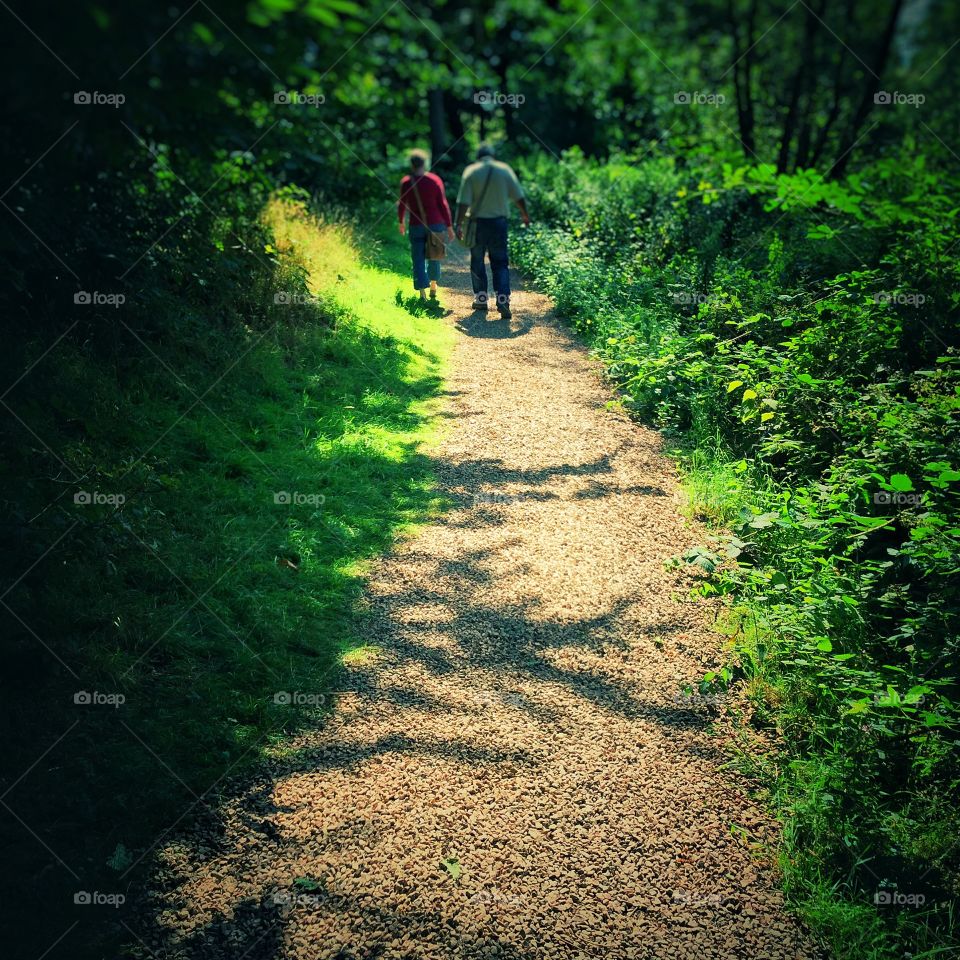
[
  {"x": 492, "y": 239},
  {"x": 423, "y": 270}
]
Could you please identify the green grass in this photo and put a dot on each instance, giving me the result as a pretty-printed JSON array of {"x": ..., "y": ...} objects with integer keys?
[{"x": 202, "y": 598}]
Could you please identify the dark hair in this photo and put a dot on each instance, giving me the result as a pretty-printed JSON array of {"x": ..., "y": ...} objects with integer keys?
[
  {"x": 486, "y": 150},
  {"x": 418, "y": 159}
]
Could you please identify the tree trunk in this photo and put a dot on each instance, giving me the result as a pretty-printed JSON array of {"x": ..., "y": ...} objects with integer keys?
[
  {"x": 742, "y": 76},
  {"x": 800, "y": 79},
  {"x": 849, "y": 141}
]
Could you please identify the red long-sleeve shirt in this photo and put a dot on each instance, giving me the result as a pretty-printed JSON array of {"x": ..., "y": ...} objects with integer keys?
[{"x": 433, "y": 197}]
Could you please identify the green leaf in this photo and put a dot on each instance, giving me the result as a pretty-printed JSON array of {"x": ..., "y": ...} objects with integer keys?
[
  {"x": 901, "y": 483},
  {"x": 733, "y": 384},
  {"x": 452, "y": 866},
  {"x": 307, "y": 883},
  {"x": 749, "y": 394},
  {"x": 120, "y": 859}
]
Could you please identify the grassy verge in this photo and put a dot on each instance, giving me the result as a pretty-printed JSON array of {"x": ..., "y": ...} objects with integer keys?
[{"x": 192, "y": 525}]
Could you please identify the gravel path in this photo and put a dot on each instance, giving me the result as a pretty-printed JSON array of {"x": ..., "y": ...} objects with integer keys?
[{"x": 514, "y": 775}]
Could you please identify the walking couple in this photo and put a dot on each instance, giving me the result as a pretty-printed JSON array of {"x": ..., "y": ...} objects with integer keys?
[{"x": 486, "y": 189}]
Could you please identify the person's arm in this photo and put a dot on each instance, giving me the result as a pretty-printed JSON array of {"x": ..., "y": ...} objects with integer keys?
[
  {"x": 462, "y": 209},
  {"x": 402, "y": 209},
  {"x": 522, "y": 205},
  {"x": 447, "y": 219},
  {"x": 464, "y": 199},
  {"x": 515, "y": 192}
]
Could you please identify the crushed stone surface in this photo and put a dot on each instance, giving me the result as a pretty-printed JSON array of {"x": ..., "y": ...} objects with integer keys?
[{"x": 515, "y": 774}]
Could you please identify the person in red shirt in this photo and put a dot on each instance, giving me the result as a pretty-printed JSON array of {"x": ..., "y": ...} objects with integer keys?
[{"x": 422, "y": 197}]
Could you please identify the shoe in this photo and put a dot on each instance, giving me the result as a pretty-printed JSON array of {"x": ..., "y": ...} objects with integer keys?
[
  {"x": 504, "y": 309},
  {"x": 479, "y": 304},
  {"x": 423, "y": 294},
  {"x": 433, "y": 294}
]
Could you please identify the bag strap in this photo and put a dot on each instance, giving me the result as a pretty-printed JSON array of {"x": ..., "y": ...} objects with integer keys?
[
  {"x": 416, "y": 193},
  {"x": 483, "y": 192}
]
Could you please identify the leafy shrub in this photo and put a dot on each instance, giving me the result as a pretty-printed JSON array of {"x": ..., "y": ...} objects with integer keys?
[{"x": 798, "y": 338}]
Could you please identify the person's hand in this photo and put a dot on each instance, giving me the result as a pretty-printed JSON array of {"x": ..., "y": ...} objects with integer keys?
[
  {"x": 450, "y": 233},
  {"x": 403, "y": 229},
  {"x": 526, "y": 219},
  {"x": 460, "y": 232}
]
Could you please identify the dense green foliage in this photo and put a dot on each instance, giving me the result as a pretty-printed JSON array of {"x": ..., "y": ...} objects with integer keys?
[
  {"x": 764, "y": 257},
  {"x": 799, "y": 340}
]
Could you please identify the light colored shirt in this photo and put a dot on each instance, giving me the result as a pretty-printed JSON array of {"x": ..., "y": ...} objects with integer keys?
[{"x": 489, "y": 199}]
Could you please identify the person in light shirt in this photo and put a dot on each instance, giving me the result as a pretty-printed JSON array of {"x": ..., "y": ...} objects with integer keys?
[{"x": 486, "y": 191}]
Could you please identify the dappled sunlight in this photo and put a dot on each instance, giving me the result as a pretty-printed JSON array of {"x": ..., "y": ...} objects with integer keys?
[{"x": 515, "y": 755}]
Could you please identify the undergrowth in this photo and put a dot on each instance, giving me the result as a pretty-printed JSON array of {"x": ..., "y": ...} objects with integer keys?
[{"x": 796, "y": 339}]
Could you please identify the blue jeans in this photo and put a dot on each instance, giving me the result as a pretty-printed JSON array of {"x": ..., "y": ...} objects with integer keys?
[
  {"x": 423, "y": 270},
  {"x": 492, "y": 239}
]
